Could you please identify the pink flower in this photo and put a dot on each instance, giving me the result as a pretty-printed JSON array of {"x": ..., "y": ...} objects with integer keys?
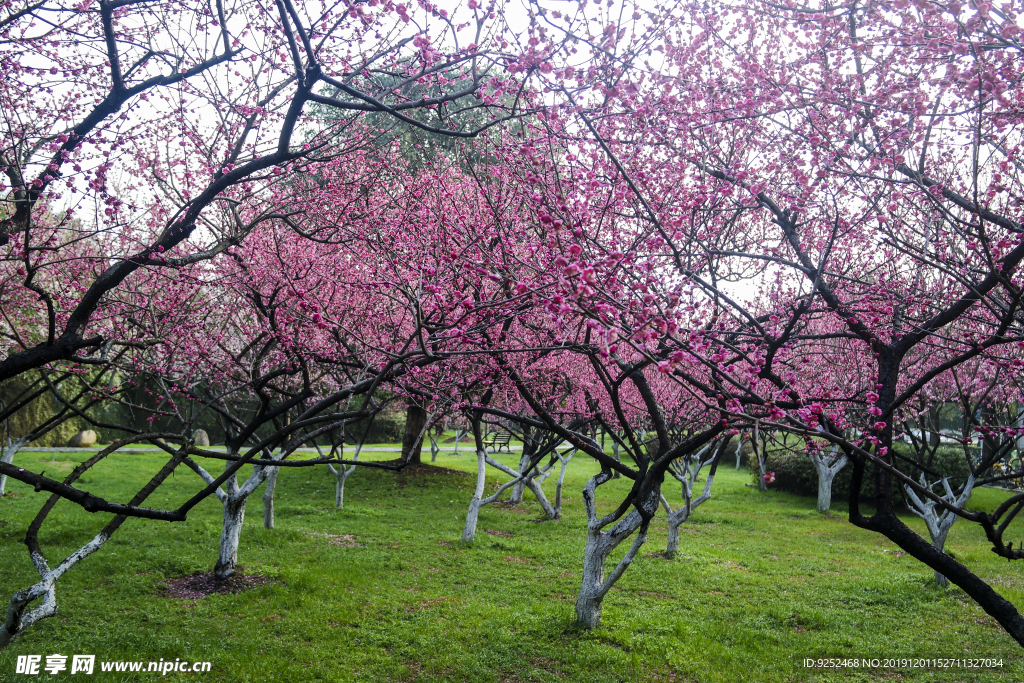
[
  {"x": 878, "y": 426},
  {"x": 769, "y": 477}
]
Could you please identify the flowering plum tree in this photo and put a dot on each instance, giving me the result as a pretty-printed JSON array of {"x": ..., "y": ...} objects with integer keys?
[
  {"x": 169, "y": 125},
  {"x": 840, "y": 160}
]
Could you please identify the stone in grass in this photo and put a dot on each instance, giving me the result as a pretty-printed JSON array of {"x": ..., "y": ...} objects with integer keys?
[
  {"x": 83, "y": 439},
  {"x": 201, "y": 437}
]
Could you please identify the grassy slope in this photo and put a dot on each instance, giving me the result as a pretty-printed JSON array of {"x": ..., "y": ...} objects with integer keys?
[{"x": 762, "y": 581}]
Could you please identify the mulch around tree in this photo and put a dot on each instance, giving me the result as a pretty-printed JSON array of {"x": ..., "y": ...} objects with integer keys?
[
  {"x": 423, "y": 469},
  {"x": 198, "y": 585}
]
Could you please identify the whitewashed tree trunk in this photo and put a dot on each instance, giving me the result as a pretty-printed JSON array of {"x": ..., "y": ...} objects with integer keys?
[
  {"x": 762, "y": 484},
  {"x": 561, "y": 480},
  {"x": 341, "y": 475},
  {"x": 19, "y": 616},
  {"x": 520, "y": 487},
  {"x": 739, "y": 449},
  {"x": 533, "y": 481},
  {"x": 12, "y": 447},
  {"x": 231, "y": 533},
  {"x": 615, "y": 454},
  {"x": 544, "y": 473},
  {"x": 233, "y": 498},
  {"x": 939, "y": 520},
  {"x": 339, "y": 488},
  {"x": 469, "y": 532},
  {"x": 827, "y": 467},
  {"x": 434, "y": 448},
  {"x": 686, "y": 473},
  {"x": 599, "y": 546},
  {"x": 268, "y": 498}
]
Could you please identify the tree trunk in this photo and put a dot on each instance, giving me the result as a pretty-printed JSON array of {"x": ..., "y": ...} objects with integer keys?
[
  {"x": 939, "y": 521},
  {"x": 469, "y": 532},
  {"x": 687, "y": 475},
  {"x": 599, "y": 546},
  {"x": 615, "y": 454},
  {"x": 234, "y": 515},
  {"x": 341, "y": 475},
  {"x": 588, "y": 602},
  {"x": 762, "y": 484},
  {"x": 517, "y": 490},
  {"x": 594, "y": 586},
  {"x": 10, "y": 450},
  {"x": 827, "y": 470},
  {"x": 412, "y": 440},
  {"x": 939, "y": 541},
  {"x": 339, "y": 488},
  {"x": 561, "y": 480},
  {"x": 19, "y": 615},
  {"x": 538, "y": 492},
  {"x": 825, "y": 477},
  {"x": 268, "y": 498},
  {"x": 672, "y": 547},
  {"x": 998, "y": 607}
]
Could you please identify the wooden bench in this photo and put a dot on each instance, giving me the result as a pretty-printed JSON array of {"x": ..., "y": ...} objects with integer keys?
[{"x": 499, "y": 440}]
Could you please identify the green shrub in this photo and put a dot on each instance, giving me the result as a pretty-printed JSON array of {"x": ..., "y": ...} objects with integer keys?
[
  {"x": 795, "y": 473},
  {"x": 34, "y": 414}
]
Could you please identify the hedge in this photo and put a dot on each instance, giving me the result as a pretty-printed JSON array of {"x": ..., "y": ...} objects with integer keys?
[{"x": 795, "y": 473}]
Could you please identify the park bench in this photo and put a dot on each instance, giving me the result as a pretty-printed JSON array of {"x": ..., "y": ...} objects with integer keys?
[{"x": 499, "y": 440}]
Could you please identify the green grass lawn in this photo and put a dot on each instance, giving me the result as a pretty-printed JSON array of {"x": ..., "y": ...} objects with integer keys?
[{"x": 761, "y": 582}]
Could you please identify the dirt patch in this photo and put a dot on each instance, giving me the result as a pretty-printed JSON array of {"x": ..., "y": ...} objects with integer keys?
[
  {"x": 14, "y": 495},
  {"x": 426, "y": 604},
  {"x": 445, "y": 543},
  {"x": 662, "y": 556},
  {"x": 423, "y": 469},
  {"x": 510, "y": 506},
  {"x": 735, "y": 566},
  {"x": 198, "y": 585},
  {"x": 343, "y": 540},
  {"x": 495, "y": 532}
]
